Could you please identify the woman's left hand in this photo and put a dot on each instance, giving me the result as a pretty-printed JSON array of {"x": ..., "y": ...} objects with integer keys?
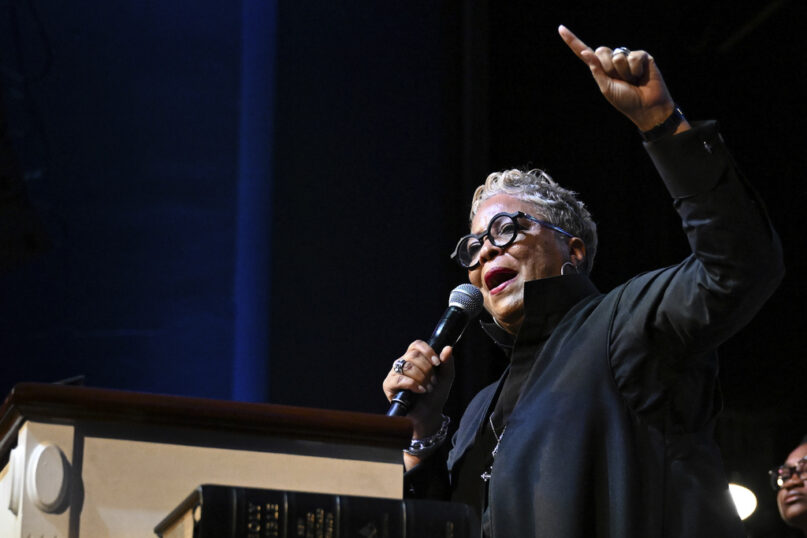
[{"x": 632, "y": 82}]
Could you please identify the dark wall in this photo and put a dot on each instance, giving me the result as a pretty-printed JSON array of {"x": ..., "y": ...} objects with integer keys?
[
  {"x": 125, "y": 115},
  {"x": 127, "y": 122},
  {"x": 362, "y": 195}
]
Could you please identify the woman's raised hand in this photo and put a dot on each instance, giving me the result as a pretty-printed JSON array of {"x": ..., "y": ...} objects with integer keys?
[{"x": 629, "y": 80}]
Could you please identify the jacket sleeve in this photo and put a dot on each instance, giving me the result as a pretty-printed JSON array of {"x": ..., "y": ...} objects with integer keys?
[
  {"x": 668, "y": 318},
  {"x": 429, "y": 479}
]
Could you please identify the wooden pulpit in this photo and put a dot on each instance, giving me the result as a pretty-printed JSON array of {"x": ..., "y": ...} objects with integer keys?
[{"x": 80, "y": 461}]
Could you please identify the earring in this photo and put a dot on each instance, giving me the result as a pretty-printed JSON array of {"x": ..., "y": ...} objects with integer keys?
[{"x": 563, "y": 268}]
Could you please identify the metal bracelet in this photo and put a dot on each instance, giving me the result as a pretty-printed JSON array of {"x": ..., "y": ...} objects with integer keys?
[{"x": 423, "y": 447}]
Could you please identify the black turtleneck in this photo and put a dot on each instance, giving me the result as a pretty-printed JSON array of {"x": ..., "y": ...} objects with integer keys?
[{"x": 546, "y": 301}]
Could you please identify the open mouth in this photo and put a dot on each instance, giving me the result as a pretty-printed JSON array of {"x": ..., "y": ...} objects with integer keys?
[{"x": 496, "y": 279}]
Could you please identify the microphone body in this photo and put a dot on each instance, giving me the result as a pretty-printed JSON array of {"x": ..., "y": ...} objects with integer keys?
[{"x": 464, "y": 304}]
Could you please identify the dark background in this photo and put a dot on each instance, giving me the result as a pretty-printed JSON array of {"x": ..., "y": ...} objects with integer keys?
[{"x": 255, "y": 200}]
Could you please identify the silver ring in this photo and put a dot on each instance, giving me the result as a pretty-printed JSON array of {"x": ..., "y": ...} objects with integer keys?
[
  {"x": 398, "y": 367},
  {"x": 620, "y": 50}
]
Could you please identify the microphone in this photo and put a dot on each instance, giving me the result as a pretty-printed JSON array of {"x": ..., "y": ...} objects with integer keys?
[{"x": 464, "y": 304}]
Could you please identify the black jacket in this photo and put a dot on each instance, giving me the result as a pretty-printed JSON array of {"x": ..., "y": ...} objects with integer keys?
[{"x": 612, "y": 435}]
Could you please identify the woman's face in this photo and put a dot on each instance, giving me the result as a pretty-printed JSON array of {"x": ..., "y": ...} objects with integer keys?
[
  {"x": 792, "y": 498},
  {"x": 537, "y": 252}
]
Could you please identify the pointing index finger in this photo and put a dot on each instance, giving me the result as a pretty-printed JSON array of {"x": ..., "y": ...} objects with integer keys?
[
  {"x": 588, "y": 57},
  {"x": 574, "y": 42}
]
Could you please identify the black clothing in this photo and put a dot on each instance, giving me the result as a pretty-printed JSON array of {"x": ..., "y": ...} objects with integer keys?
[
  {"x": 612, "y": 433},
  {"x": 470, "y": 486}
]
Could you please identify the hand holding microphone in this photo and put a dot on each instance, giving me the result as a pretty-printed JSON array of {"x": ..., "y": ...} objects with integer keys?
[{"x": 415, "y": 374}]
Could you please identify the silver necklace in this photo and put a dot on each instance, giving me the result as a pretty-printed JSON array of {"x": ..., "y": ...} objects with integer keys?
[{"x": 487, "y": 474}]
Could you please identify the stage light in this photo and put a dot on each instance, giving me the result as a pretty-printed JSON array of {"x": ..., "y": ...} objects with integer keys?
[{"x": 744, "y": 500}]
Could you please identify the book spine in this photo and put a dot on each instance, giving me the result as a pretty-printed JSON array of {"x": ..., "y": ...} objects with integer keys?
[{"x": 236, "y": 512}]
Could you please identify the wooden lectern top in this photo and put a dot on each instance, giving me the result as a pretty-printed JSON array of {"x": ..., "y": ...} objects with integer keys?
[{"x": 70, "y": 404}]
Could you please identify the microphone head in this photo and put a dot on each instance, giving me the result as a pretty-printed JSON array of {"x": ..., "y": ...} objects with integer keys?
[{"x": 467, "y": 298}]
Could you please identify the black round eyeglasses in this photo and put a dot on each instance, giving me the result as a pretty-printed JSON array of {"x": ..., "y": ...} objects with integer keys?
[{"x": 502, "y": 230}]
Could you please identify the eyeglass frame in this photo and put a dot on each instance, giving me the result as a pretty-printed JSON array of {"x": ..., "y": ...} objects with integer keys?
[
  {"x": 793, "y": 470},
  {"x": 513, "y": 217}
]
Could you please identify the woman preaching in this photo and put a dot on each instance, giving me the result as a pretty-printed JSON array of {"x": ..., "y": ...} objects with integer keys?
[{"x": 602, "y": 425}]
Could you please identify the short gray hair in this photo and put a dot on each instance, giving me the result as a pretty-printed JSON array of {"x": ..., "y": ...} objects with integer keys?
[{"x": 557, "y": 205}]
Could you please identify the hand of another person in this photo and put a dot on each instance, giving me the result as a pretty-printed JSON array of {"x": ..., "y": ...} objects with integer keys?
[
  {"x": 632, "y": 82},
  {"x": 430, "y": 385}
]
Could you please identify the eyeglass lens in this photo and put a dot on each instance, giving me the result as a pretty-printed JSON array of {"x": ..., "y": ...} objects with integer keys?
[
  {"x": 782, "y": 474},
  {"x": 501, "y": 232}
]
